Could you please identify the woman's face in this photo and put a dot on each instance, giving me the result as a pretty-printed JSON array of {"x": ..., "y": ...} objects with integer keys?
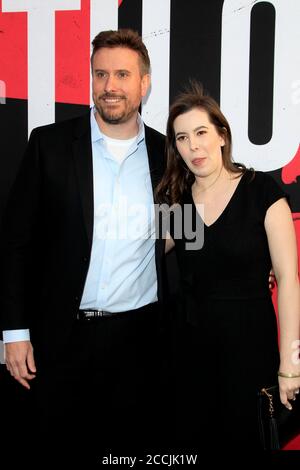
[{"x": 198, "y": 142}]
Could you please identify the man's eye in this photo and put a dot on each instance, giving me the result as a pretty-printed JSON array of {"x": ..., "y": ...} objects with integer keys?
[
  {"x": 100, "y": 74},
  {"x": 123, "y": 74}
]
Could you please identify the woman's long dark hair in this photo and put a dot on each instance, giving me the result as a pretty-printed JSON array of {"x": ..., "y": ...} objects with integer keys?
[{"x": 177, "y": 177}]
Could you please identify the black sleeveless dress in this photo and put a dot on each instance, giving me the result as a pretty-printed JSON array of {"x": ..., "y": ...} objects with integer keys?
[{"x": 226, "y": 344}]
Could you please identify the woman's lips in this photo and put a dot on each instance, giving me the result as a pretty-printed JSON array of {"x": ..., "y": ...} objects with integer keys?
[{"x": 198, "y": 161}]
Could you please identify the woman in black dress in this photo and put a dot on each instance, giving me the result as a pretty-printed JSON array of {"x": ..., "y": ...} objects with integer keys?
[{"x": 227, "y": 348}]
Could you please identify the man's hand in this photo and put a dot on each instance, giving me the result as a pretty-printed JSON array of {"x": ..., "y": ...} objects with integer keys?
[{"x": 20, "y": 361}]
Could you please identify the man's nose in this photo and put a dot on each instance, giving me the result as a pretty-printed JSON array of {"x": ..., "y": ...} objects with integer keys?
[{"x": 110, "y": 84}]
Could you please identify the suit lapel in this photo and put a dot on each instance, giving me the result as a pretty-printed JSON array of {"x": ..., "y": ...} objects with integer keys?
[
  {"x": 155, "y": 152},
  {"x": 83, "y": 160},
  {"x": 156, "y": 156}
]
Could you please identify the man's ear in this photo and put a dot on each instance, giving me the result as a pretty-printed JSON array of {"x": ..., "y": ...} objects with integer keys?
[{"x": 145, "y": 84}]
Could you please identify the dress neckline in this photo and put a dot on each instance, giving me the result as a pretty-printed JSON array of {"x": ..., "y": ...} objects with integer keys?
[{"x": 229, "y": 203}]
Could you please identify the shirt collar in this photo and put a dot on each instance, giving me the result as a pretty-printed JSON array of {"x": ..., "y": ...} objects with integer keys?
[{"x": 96, "y": 133}]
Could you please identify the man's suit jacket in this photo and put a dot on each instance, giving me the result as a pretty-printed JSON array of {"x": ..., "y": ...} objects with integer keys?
[{"x": 48, "y": 227}]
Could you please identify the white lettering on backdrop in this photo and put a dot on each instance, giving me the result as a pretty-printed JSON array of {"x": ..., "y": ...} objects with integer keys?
[
  {"x": 235, "y": 83},
  {"x": 41, "y": 54}
]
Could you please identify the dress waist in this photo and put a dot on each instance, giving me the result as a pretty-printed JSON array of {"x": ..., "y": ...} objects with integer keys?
[
  {"x": 235, "y": 289},
  {"x": 208, "y": 298},
  {"x": 200, "y": 291}
]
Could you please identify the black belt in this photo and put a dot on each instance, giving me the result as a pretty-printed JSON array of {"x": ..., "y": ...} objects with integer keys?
[
  {"x": 91, "y": 314},
  {"x": 94, "y": 314}
]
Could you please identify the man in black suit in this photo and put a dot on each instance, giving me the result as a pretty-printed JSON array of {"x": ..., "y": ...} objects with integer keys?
[{"x": 83, "y": 269}]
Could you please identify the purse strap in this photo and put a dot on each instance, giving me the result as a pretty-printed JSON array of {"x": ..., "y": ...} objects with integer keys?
[{"x": 270, "y": 397}]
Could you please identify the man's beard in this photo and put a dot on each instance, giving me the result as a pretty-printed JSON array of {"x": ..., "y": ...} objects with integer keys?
[{"x": 115, "y": 117}]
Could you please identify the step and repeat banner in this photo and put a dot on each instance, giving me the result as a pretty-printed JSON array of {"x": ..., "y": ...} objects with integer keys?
[{"x": 246, "y": 53}]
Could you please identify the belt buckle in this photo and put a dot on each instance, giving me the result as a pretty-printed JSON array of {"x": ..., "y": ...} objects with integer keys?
[
  {"x": 90, "y": 314},
  {"x": 99, "y": 313}
]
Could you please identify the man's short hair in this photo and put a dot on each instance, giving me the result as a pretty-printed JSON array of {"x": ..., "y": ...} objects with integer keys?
[{"x": 126, "y": 38}]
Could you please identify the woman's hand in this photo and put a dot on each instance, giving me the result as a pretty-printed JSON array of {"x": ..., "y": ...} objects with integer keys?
[{"x": 289, "y": 390}]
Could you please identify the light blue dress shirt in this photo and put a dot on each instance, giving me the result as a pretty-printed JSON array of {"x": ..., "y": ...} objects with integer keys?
[{"x": 122, "y": 272}]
